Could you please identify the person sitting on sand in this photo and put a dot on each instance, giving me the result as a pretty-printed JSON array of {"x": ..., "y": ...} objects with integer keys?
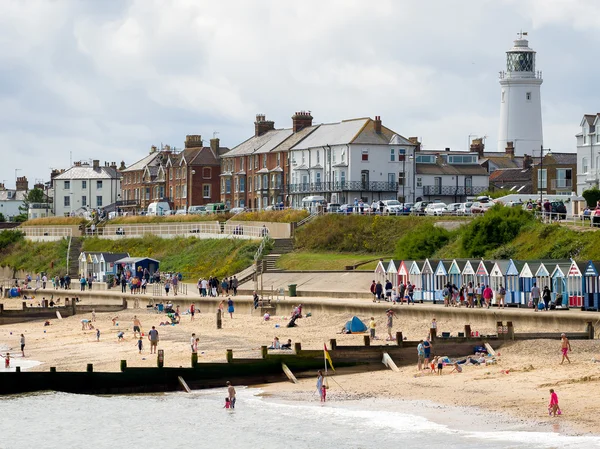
[
  {"x": 266, "y": 316},
  {"x": 276, "y": 344},
  {"x": 287, "y": 345},
  {"x": 456, "y": 367}
]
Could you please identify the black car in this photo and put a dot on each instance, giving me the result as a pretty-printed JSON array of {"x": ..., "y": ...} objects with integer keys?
[{"x": 559, "y": 210}]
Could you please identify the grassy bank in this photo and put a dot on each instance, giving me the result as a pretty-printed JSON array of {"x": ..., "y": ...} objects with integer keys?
[
  {"x": 300, "y": 260},
  {"x": 50, "y": 257}
]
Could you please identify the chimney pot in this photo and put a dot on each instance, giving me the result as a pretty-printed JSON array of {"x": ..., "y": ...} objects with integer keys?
[
  {"x": 262, "y": 126},
  {"x": 301, "y": 120},
  {"x": 377, "y": 122}
]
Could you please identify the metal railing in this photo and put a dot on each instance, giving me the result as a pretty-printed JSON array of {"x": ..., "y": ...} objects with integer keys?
[
  {"x": 43, "y": 231},
  {"x": 261, "y": 248},
  {"x": 345, "y": 186},
  {"x": 453, "y": 190},
  {"x": 580, "y": 220},
  {"x": 180, "y": 229},
  {"x": 558, "y": 184}
]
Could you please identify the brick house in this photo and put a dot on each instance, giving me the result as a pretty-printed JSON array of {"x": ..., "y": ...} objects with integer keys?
[
  {"x": 192, "y": 175},
  {"x": 557, "y": 175},
  {"x": 255, "y": 173},
  {"x": 144, "y": 181}
]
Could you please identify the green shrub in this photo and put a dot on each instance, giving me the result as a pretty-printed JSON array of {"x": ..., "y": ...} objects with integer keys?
[
  {"x": 9, "y": 237},
  {"x": 422, "y": 242},
  {"x": 497, "y": 227},
  {"x": 592, "y": 196},
  {"x": 273, "y": 216}
]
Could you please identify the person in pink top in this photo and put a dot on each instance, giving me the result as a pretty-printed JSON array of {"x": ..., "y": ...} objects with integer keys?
[
  {"x": 487, "y": 296},
  {"x": 553, "y": 407}
]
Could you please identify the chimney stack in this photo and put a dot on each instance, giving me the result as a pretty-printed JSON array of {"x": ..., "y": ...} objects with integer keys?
[
  {"x": 39, "y": 186},
  {"x": 153, "y": 149},
  {"x": 122, "y": 167},
  {"x": 193, "y": 141},
  {"x": 478, "y": 147},
  {"x": 527, "y": 161},
  {"x": 377, "y": 123},
  {"x": 510, "y": 150},
  {"x": 2, "y": 186},
  {"x": 301, "y": 120},
  {"x": 113, "y": 165},
  {"x": 415, "y": 141},
  {"x": 22, "y": 183},
  {"x": 215, "y": 144},
  {"x": 96, "y": 164},
  {"x": 262, "y": 126}
]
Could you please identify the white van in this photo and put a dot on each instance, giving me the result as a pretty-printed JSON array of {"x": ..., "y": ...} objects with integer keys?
[
  {"x": 313, "y": 203},
  {"x": 159, "y": 208}
]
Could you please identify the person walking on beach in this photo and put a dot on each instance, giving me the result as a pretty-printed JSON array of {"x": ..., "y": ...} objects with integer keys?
[
  {"x": 231, "y": 394},
  {"x": 6, "y": 360},
  {"x": 97, "y": 334},
  {"x": 153, "y": 337},
  {"x": 420, "y": 355},
  {"x": 501, "y": 295},
  {"x": 167, "y": 286},
  {"x": 390, "y": 324},
  {"x": 137, "y": 326},
  {"x": 547, "y": 297},
  {"x": 488, "y": 294},
  {"x": 535, "y": 296},
  {"x": 192, "y": 311},
  {"x": 22, "y": 345},
  {"x": 192, "y": 341},
  {"x": 230, "y": 307},
  {"x": 426, "y": 350},
  {"x": 373, "y": 291},
  {"x": 321, "y": 388},
  {"x": 140, "y": 344},
  {"x": 553, "y": 406},
  {"x": 565, "y": 347}
]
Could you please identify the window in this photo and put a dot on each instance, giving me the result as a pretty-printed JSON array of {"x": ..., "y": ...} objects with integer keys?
[
  {"x": 84, "y": 184},
  {"x": 563, "y": 178},
  {"x": 391, "y": 178},
  {"x": 147, "y": 193},
  {"x": 343, "y": 177},
  {"x": 303, "y": 158},
  {"x": 278, "y": 159},
  {"x": 184, "y": 173},
  {"x": 228, "y": 186},
  {"x": 343, "y": 155},
  {"x": 237, "y": 185},
  {"x": 401, "y": 178},
  {"x": 206, "y": 173},
  {"x": 401, "y": 154},
  {"x": 98, "y": 185},
  {"x": 392, "y": 155},
  {"x": 184, "y": 191},
  {"x": 171, "y": 174},
  {"x": 425, "y": 159},
  {"x": 256, "y": 182},
  {"x": 468, "y": 159},
  {"x": 528, "y": 96},
  {"x": 242, "y": 164},
  {"x": 264, "y": 161},
  {"x": 318, "y": 177},
  {"x": 256, "y": 161},
  {"x": 265, "y": 182},
  {"x": 99, "y": 201},
  {"x": 67, "y": 201},
  {"x": 333, "y": 156},
  {"x": 171, "y": 192},
  {"x": 242, "y": 184},
  {"x": 365, "y": 155},
  {"x": 584, "y": 165},
  {"x": 542, "y": 179},
  {"x": 67, "y": 185},
  {"x": 84, "y": 200},
  {"x": 419, "y": 182}
]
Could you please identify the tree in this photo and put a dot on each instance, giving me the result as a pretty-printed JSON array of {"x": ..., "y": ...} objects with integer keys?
[
  {"x": 33, "y": 196},
  {"x": 2, "y": 219},
  {"x": 591, "y": 196}
]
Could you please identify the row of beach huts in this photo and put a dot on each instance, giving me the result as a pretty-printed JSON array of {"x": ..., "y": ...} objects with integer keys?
[{"x": 573, "y": 284}]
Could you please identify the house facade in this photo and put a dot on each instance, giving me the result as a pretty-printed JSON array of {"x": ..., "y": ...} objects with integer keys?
[
  {"x": 588, "y": 153},
  {"x": 448, "y": 176},
  {"x": 192, "y": 175},
  {"x": 255, "y": 173},
  {"x": 357, "y": 158},
  {"x": 85, "y": 186},
  {"x": 556, "y": 174},
  {"x": 145, "y": 181},
  {"x": 12, "y": 200}
]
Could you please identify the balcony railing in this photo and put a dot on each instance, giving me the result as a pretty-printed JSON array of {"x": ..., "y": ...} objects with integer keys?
[
  {"x": 560, "y": 184},
  {"x": 453, "y": 190},
  {"x": 346, "y": 186}
]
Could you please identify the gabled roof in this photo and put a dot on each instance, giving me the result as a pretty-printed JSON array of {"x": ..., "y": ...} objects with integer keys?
[
  {"x": 589, "y": 118},
  {"x": 441, "y": 168},
  {"x": 16, "y": 195},
  {"x": 254, "y": 143},
  {"x": 501, "y": 160},
  {"x": 150, "y": 159},
  {"x": 113, "y": 257}
]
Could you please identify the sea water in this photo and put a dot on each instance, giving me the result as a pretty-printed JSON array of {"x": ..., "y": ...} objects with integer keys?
[{"x": 182, "y": 420}]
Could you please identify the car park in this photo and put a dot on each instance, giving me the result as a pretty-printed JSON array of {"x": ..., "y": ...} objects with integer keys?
[{"x": 435, "y": 209}]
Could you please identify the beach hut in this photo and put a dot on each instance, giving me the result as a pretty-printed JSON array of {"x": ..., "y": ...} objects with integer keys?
[
  {"x": 428, "y": 280},
  {"x": 497, "y": 275},
  {"x": 468, "y": 274},
  {"x": 403, "y": 271},
  {"x": 108, "y": 265},
  {"x": 527, "y": 280},
  {"x": 392, "y": 271},
  {"x": 441, "y": 279},
  {"x": 454, "y": 272},
  {"x": 136, "y": 265},
  {"x": 591, "y": 286},
  {"x": 415, "y": 278},
  {"x": 542, "y": 276},
  {"x": 513, "y": 291},
  {"x": 575, "y": 286},
  {"x": 380, "y": 272},
  {"x": 559, "y": 284},
  {"x": 482, "y": 273}
]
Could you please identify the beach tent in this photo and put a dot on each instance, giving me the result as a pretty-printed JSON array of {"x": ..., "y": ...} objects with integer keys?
[
  {"x": 355, "y": 325},
  {"x": 592, "y": 287}
]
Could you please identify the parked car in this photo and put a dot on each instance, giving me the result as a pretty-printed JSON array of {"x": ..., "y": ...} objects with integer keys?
[
  {"x": 453, "y": 208},
  {"x": 464, "y": 209},
  {"x": 406, "y": 207},
  {"x": 159, "y": 208},
  {"x": 332, "y": 208},
  {"x": 237, "y": 210},
  {"x": 197, "y": 210},
  {"x": 181, "y": 212},
  {"x": 214, "y": 208},
  {"x": 435, "y": 209},
  {"x": 392, "y": 207},
  {"x": 419, "y": 208},
  {"x": 346, "y": 209},
  {"x": 559, "y": 210},
  {"x": 481, "y": 208}
]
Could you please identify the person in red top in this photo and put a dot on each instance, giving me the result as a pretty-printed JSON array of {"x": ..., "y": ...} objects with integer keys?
[
  {"x": 553, "y": 407},
  {"x": 487, "y": 296},
  {"x": 192, "y": 311},
  {"x": 373, "y": 292}
]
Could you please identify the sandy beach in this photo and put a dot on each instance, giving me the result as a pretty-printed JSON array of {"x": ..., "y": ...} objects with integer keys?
[{"x": 517, "y": 386}]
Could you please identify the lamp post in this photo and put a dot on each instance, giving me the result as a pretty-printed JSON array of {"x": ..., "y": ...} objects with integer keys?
[
  {"x": 403, "y": 179},
  {"x": 540, "y": 176}
]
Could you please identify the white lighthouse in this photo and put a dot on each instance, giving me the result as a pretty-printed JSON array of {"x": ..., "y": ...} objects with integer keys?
[{"x": 520, "y": 102}]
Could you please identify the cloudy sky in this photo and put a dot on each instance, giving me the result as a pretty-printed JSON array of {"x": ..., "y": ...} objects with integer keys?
[{"x": 107, "y": 79}]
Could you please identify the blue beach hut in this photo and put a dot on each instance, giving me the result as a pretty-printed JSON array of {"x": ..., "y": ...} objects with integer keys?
[
  {"x": 454, "y": 273},
  {"x": 559, "y": 285},
  {"x": 513, "y": 291},
  {"x": 428, "y": 284},
  {"x": 441, "y": 279},
  {"x": 592, "y": 287},
  {"x": 527, "y": 280}
]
